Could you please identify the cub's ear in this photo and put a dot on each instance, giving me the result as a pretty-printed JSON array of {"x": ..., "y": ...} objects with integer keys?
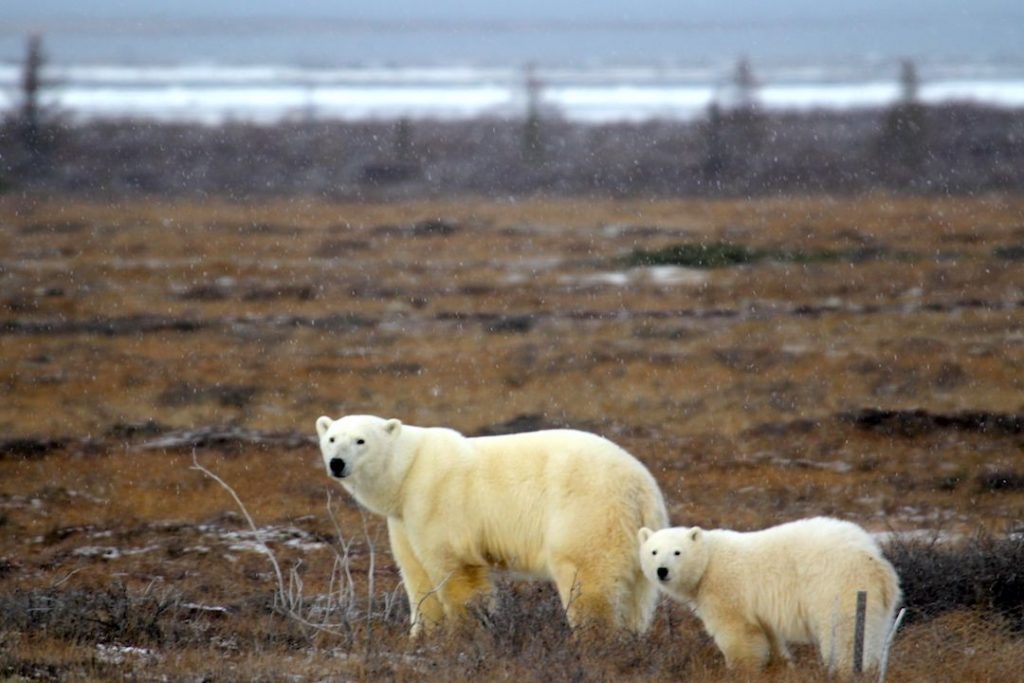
[
  {"x": 323, "y": 423},
  {"x": 695, "y": 533},
  {"x": 643, "y": 535},
  {"x": 393, "y": 426}
]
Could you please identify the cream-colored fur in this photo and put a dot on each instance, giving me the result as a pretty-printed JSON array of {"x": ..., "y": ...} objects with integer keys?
[
  {"x": 558, "y": 504},
  {"x": 792, "y": 583}
]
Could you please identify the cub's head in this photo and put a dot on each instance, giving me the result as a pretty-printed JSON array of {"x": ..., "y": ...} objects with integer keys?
[
  {"x": 674, "y": 559},
  {"x": 356, "y": 444}
]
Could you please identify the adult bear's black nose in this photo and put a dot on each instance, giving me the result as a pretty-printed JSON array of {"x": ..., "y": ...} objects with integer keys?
[
  {"x": 337, "y": 466},
  {"x": 662, "y": 573}
]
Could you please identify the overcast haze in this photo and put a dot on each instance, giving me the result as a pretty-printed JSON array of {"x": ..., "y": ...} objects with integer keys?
[{"x": 410, "y": 31}]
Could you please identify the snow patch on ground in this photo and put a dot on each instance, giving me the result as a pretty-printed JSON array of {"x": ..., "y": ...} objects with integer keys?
[
  {"x": 256, "y": 541},
  {"x": 658, "y": 276},
  {"x": 110, "y": 552},
  {"x": 117, "y": 654}
]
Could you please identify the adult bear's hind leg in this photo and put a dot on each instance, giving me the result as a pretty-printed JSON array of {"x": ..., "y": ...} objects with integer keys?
[
  {"x": 463, "y": 586},
  {"x": 583, "y": 596}
]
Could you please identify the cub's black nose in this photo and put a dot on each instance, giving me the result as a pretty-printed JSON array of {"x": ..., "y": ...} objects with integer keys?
[
  {"x": 662, "y": 573},
  {"x": 337, "y": 466}
]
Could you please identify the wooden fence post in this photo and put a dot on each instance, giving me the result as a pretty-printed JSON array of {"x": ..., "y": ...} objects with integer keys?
[
  {"x": 858, "y": 633},
  {"x": 883, "y": 665}
]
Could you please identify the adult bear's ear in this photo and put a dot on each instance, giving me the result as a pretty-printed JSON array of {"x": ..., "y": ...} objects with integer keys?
[
  {"x": 695, "y": 533},
  {"x": 393, "y": 426},
  {"x": 323, "y": 423},
  {"x": 643, "y": 534}
]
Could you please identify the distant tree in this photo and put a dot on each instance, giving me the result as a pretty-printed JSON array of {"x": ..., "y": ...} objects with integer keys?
[
  {"x": 909, "y": 82},
  {"x": 715, "y": 154},
  {"x": 32, "y": 125},
  {"x": 734, "y": 130},
  {"x": 532, "y": 138},
  {"x": 745, "y": 116},
  {"x": 744, "y": 85},
  {"x": 404, "y": 146},
  {"x": 33, "y": 117},
  {"x": 397, "y": 165},
  {"x": 902, "y": 146}
]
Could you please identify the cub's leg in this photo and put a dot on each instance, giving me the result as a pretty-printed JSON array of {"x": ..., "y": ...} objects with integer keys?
[{"x": 745, "y": 646}]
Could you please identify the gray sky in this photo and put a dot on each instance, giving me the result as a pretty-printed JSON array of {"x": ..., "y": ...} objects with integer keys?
[
  {"x": 678, "y": 10},
  {"x": 326, "y": 31}
]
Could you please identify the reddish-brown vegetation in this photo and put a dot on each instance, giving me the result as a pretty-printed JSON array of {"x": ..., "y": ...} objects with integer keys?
[{"x": 868, "y": 364}]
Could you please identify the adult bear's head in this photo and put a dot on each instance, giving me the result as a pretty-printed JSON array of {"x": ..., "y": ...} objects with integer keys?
[{"x": 356, "y": 445}]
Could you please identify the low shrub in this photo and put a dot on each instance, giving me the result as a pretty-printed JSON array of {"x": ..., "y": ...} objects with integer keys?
[{"x": 984, "y": 573}]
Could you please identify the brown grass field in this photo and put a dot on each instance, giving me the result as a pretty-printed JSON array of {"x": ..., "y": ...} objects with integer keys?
[{"x": 132, "y": 334}]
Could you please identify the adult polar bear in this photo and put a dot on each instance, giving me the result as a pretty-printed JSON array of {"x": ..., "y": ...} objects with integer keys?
[{"x": 559, "y": 504}]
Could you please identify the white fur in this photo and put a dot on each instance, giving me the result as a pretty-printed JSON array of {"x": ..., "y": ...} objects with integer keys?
[
  {"x": 558, "y": 504},
  {"x": 792, "y": 583}
]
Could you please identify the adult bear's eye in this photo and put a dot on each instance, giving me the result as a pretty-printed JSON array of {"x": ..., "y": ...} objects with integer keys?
[
  {"x": 654, "y": 552},
  {"x": 360, "y": 442},
  {"x": 677, "y": 552},
  {"x": 331, "y": 439}
]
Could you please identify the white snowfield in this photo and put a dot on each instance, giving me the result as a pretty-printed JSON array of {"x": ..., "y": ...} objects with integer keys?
[{"x": 212, "y": 93}]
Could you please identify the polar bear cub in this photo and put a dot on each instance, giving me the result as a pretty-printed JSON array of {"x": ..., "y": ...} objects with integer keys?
[
  {"x": 792, "y": 583},
  {"x": 557, "y": 504}
]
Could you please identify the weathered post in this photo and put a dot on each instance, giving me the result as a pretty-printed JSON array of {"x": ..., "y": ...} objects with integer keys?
[
  {"x": 883, "y": 665},
  {"x": 858, "y": 632}
]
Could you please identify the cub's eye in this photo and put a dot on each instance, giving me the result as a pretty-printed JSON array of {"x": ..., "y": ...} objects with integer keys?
[
  {"x": 654, "y": 552},
  {"x": 677, "y": 552},
  {"x": 331, "y": 439},
  {"x": 360, "y": 442}
]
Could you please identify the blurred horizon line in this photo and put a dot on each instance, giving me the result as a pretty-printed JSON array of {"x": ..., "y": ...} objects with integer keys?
[{"x": 276, "y": 22}]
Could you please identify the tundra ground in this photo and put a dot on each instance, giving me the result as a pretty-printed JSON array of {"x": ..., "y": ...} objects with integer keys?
[{"x": 767, "y": 360}]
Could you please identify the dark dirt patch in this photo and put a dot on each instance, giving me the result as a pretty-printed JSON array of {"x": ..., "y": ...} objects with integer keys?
[
  {"x": 750, "y": 360},
  {"x": 205, "y": 292},
  {"x": 1010, "y": 253},
  {"x": 435, "y": 227},
  {"x": 144, "y": 324},
  {"x": 227, "y": 438},
  {"x": 694, "y": 255},
  {"x": 337, "y": 248},
  {"x": 226, "y": 395},
  {"x": 54, "y": 228},
  {"x": 914, "y": 423},
  {"x": 135, "y": 324},
  {"x": 726, "y": 254},
  {"x": 783, "y": 429},
  {"x": 1001, "y": 481},
  {"x": 518, "y": 324},
  {"x": 396, "y": 369},
  {"x": 297, "y": 292},
  {"x": 151, "y": 435},
  {"x": 131, "y": 430},
  {"x": 30, "y": 447},
  {"x": 532, "y": 422}
]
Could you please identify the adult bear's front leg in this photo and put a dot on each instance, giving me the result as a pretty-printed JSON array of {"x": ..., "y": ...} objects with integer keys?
[{"x": 425, "y": 610}]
